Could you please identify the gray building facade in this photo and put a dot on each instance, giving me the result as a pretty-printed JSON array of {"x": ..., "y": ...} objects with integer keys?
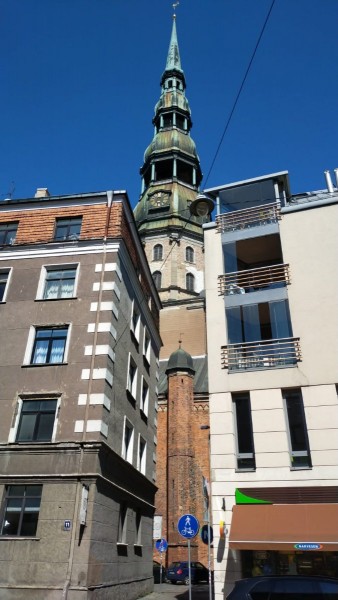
[{"x": 78, "y": 392}]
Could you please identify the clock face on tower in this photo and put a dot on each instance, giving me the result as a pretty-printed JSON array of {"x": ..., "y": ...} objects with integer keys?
[{"x": 159, "y": 199}]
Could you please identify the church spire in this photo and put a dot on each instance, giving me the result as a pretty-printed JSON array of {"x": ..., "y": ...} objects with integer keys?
[
  {"x": 173, "y": 58},
  {"x": 171, "y": 175}
]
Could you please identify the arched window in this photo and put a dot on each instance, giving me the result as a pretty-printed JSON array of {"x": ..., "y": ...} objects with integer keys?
[
  {"x": 158, "y": 252},
  {"x": 157, "y": 277},
  {"x": 189, "y": 254},
  {"x": 190, "y": 282}
]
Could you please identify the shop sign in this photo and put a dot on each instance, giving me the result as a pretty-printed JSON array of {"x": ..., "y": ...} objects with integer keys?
[{"x": 308, "y": 546}]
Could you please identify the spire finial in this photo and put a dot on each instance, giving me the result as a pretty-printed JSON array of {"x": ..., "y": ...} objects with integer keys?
[{"x": 175, "y": 4}]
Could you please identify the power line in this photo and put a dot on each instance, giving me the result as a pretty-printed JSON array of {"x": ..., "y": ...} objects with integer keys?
[{"x": 240, "y": 90}]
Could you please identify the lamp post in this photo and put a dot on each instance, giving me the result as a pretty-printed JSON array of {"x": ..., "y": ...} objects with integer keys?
[
  {"x": 207, "y": 427},
  {"x": 202, "y": 206}
]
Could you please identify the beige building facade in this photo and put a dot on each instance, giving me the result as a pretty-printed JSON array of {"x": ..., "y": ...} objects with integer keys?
[{"x": 272, "y": 323}]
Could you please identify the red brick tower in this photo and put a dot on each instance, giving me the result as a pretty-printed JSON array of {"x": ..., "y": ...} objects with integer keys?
[{"x": 181, "y": 490}]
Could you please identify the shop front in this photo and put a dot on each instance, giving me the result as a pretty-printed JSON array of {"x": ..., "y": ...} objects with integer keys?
[{"x": 286, "y": 539}]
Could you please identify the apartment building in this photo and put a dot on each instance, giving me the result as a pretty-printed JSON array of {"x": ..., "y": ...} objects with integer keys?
[
  {"x": 79, "y": 354},
  {"x": 271, "y": 297}
]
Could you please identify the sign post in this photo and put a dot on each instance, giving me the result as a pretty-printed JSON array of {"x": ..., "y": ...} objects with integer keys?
[
  {"x": 161, "y": 545},
  {"x": 188, "y": 527}
]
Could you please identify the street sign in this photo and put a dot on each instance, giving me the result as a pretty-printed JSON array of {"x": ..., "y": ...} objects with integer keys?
[
  {"x": 161, "y": 545},
  {"x": 204, "y": 533},
  {"x": 188, "y": 526}
]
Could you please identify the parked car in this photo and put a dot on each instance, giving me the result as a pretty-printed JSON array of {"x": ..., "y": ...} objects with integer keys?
[
  {"x": 157, "y": 572},
  {"x": 285, "y": 588},
  {"x": 179, "y": 571}
]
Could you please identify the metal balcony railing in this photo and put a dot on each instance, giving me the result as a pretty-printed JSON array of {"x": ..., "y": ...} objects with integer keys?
[
  {"x": 251, "y": 280},
  {"x": 248, "y": 217},
  {"x": 265, "y": 354}
]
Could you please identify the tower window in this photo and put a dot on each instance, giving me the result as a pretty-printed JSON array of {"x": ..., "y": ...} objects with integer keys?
[
  {"x": 168, "y": 120},
  {"x": 189, "y": 254},
  {"x": 190, "y": 282},
  {"x": 163, "y": 170},
  {"x": 180, "y": 121},
  {"x": 157, "y": 277},
  {"x": 184, "y": 172},
  {"x": 158, "y": 252}
]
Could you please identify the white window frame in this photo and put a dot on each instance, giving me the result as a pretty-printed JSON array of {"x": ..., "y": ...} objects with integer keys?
[
  {"x": 144, "y": 402},
  {"x": 132, "y": 385},
  {"x": 146, "y": 346},
  {"x": 127, "y": 451},
  {"x": 138, "y": 528},
  {"x": 14, "y": 430},
  {"x": 7, "y": 270},
  {"x": 56, "y": 267},
  {"x": 123, "y": 524},
  {"x": 135, "y": 329},
  {"x": 141, "y": 460},
  {"x": 31, "y": 339}
]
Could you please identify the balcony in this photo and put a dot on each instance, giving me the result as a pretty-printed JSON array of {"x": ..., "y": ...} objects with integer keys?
[
  {"x": 264, "y": 354},
  {"x": 251, "y": 280},
  {"x": 248, "y": 217}
]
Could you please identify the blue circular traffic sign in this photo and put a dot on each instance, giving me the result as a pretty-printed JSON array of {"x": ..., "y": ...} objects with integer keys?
[
  {"x": 161, "y": 545},
  {"x": 188, "y": 526}
]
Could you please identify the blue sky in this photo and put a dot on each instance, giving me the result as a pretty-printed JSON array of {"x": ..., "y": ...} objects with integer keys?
[{"x": 79, "y": 80}]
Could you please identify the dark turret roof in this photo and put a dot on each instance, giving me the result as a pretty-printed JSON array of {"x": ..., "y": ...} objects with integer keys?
[{"x": 180, "y": 360}]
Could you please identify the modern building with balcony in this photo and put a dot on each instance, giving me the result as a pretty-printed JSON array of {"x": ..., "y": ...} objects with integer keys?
[{"x": 271, "y": 299}]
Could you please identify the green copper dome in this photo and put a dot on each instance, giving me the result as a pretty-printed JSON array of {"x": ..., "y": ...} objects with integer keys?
[
  {"x": 172, "y": 139},
  {"x": 171, "y": 172}
]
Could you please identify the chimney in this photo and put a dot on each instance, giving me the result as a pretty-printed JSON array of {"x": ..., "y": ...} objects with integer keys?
[
  {"x": 328, "y": 181},
  {"x": 42, "y": 193},
  {"x": 336, "y": 174}
]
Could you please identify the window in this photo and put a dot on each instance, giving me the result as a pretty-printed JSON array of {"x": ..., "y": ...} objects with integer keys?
[
  {"x": 122, "y": 532},
  {"x": 132, "y": 377},
  {"x": 297, "y": 430},
  {"x": 135, "y": 322},
  {"x": 243, "y": 431},
  {"x": 21, "y": 510},
  {"x": 49, "y": 345},
  {"x": 142, "y": 455},
  {"x": 190, "y": 282},
  {"x": 59, "y": 282},
  {"x": 128, "y": 441},
  {"x": 37, "y": 420},
  {"x": 189, "y": 254},
  {"x": 68, "y": 229},
  {"x": 138, "y": 528},
  {"x": 144, "y": 397},
  {"x": 8, "y": 233},
  {"x": 158, "y": 252},
  {"x": 157, "y": 277},
  {"x": 4, "y": 278},
  {"x": 146, "y": 346}
]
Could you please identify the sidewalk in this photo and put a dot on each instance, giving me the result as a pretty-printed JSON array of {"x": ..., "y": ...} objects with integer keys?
[{"x": 168, "y": 591}]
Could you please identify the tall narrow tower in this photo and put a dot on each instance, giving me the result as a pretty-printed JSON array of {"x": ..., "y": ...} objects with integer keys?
[
  {"x": 173, "y": 242},
  {"x": 172, "y": 238}
]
